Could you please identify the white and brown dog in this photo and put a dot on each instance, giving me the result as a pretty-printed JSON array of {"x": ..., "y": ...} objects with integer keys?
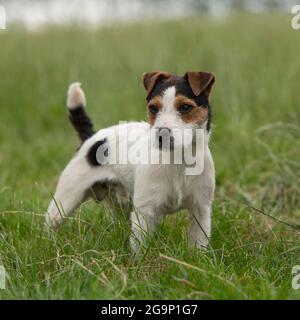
[{"x": 173, "y": 102}]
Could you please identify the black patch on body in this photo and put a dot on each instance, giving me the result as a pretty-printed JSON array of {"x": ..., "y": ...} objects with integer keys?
[
  {"x": 182, "y": 87},
  {"x": 91, "y": 156},
  {"x": 81, "y": 122}
]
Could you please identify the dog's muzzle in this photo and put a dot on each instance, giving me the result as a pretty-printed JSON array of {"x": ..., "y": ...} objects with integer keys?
[{"x": 165, "y": 138}]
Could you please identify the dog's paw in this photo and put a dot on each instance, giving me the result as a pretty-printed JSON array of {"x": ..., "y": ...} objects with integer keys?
[{"x": 51, "y": 222}]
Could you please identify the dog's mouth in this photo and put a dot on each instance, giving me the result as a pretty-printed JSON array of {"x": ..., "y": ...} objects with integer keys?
[
  {"x": 166, "y": 143},
  {"x": 165, "y": 139}
]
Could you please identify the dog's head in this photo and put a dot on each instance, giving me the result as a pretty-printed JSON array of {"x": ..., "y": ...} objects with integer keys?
[{"x": 176, "y": 102}]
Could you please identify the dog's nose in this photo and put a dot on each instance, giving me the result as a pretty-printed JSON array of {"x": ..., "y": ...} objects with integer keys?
[
  {"x": 163, "y": 131},
  {"x": 164, "y": 137}
]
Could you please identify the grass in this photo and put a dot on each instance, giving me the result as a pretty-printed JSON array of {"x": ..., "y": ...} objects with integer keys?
[{"x": 255, "y": 145}]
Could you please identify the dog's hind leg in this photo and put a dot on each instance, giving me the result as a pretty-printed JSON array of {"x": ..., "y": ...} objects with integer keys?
[{"x": 72, "y": 189}]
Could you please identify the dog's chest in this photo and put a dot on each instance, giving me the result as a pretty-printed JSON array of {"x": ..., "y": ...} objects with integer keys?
[
  {"x": 179, "y": 194},
  {"x": 177, "y": 189}
]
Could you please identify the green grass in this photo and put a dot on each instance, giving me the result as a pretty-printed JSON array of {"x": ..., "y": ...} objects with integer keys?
[{"x": 255, "y": 144}]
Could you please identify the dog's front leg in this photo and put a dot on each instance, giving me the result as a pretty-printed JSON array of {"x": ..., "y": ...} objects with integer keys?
[
  {"x": 200, "y": 202},
  {"x": 200, "y": 225},
  {"x": 143, "y": 223},
  {"x": 150, "y": 194}
]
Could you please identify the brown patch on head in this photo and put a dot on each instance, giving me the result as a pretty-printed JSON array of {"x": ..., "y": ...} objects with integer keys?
[
  {"x": 194, "y": 89},
  {"x": 196, "y": 114},
  {"x": 155, "y": 102},
  {"x": 151, "y": 78},
  {"x": 200, "y": 82}
]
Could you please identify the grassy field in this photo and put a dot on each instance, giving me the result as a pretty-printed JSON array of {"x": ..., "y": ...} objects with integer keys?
[{"x": 255, "y": 144}]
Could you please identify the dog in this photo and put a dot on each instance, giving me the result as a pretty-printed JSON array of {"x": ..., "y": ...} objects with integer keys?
[{"x": 148, "y": 191}]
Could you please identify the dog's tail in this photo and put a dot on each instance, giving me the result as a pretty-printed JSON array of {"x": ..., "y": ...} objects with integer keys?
[{"x": 76, "y": 105}]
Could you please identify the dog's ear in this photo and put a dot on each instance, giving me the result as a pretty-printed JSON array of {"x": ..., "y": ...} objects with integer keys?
[
  {"x": 150, "y": 79},
  {"x": 200, "y": 82}
]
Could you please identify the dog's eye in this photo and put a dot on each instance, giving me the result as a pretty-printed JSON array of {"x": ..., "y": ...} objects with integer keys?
[
  {"x": 153, "y": 109},
  {"x": 185, "y": 108}
]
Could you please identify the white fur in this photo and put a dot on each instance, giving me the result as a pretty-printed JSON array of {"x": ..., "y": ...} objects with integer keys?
[
  {"x": 76, "y": 96},
  {"x": 155, "y": 190},
  {"x": 167, "y": 118}
]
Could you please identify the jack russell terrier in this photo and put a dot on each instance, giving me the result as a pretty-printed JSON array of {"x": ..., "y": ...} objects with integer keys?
[{"x": 145, "y": 191}]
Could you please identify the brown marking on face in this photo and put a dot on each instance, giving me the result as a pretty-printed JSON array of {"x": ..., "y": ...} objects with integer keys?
[
  {"x": 194, "y": 89},
  {"x": 201, "y": 82},
  {"x": 150, "y": 79},
  {"x": 156, "y": 102},
  {"x": 197, "y": 114}
]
